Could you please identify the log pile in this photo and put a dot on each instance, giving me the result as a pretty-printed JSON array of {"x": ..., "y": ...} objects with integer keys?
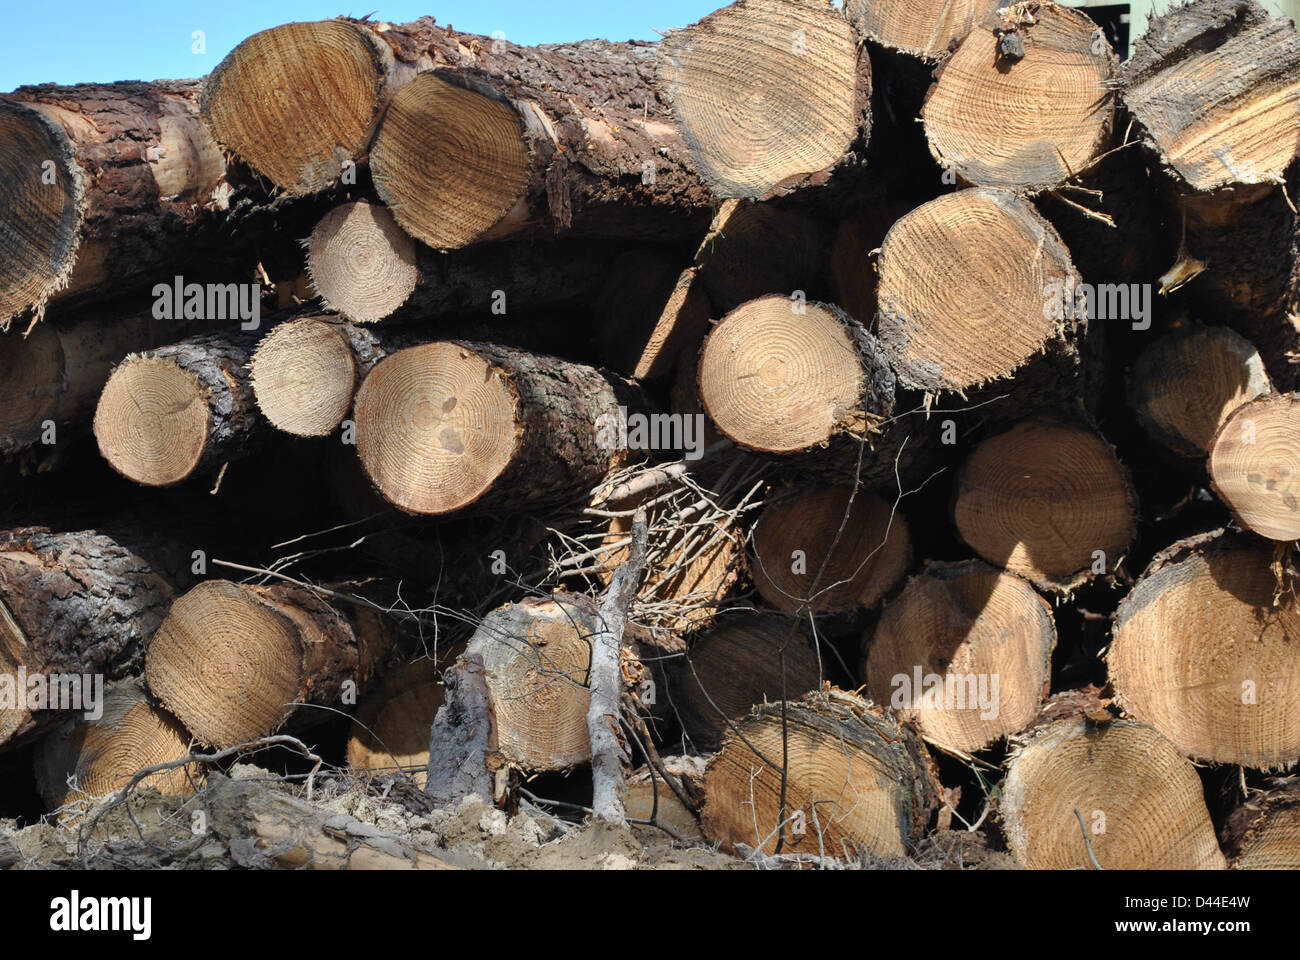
[{"x": 814, "y": 430}]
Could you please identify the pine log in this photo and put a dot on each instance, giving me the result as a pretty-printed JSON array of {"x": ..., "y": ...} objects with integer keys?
[
  {"x": 101, "y": 185},
  {"x": 1185, "y": 385},
  {"x": 71, "y": 604},
  {"x": 1263, "y": 833},
  {"x": 391, "y": 730},
  {"x": 828, "y": 550},
  {"x": 235, "y": 663},
  {"x": 781, "y": 376},
  {"x": 857, "y": 782},
  {"x": 1026, "y": 101},
  {"x": 1142, "y": 804},
  {"x": 1048, "y": 500},
  {"x": 181, "y": 410},
  {"x": 923, "y": 31},
  {"x": 744, "y": 659},
  {"x": 976, "y": 286},
  {"x": 1241, "y": 127},
  {"x": 1254, "y": 465},
  {"x": 770, "y": 95},
  {"x": 965, "y": 652},
  {"x": 364, "y": 266},
  {"x": 649, "y": 798},
  {"x": 85, "y": 759},
  {"x": 449, "y": 425},
  {"x": 1204, "y": 651},
  {"x": 304, "y": 373}
]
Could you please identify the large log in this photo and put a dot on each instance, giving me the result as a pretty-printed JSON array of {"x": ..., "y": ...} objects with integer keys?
[
  {"x": 479, "y": 137},
  {"x": 104, "y": 186},
  {"x": 856, "y": 782},
  {"x": 965, "y": 652},
  {"x": 235, "y": 663},
  {"x": 1048, "y": 500},
  {"x": 449, "y": 425},
  {"x": 71, "y": 604},
  {"x": 1025, "y": 102},
  {"x": 1204, "y": 651},
  {"x": 178, "y": 411},
  {"x": 1142, "y": 805},
  {"x": 769, "y": 95}
]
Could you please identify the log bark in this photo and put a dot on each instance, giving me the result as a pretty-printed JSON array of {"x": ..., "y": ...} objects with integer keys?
[
  {"x": 1263, "y": 833},
  {"x": 364, "y": 266},
  {"x": 965, "y": 652},
  {"x": 510, "y": 425},
  {"x": 85, "y": 759},
  {"x": 71, "y": 604},
  {"x": 857, "y": 783},
  {"x": 977, "y": 115},
  {"x": 1203, "y": 651},
  {"x": 1186, "y": 384},
  {"x": 178, "y": 411},
  {"x": 1048, "y": 500},
  {"x": 109, "y": 185},
  {"x": 828, "y": 550},
  {"x": 745, "y": 659},
  {"x": 235, "y": 663},
  {"x": 1141, "y": 803},
  {"x": 460, "y": 740}
]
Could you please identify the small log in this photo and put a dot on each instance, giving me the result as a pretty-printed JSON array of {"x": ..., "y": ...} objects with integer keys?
[
  {"x": 235, "y": 663},
  {"x": 1025, "y": 102},
  {"x": 1185, "y": 385},
  {"x": 391, "y": 730},
  {"x": 1204, "y": 651},
  {"x": 1263, "y": 833},
  {"x": 965, "y": 651},
  {"x": 1048, "y": 500},
  {"x": 178, "y": 411},
  {"x": 1141, "y": 803},
  {"x": 1254, "y": 465},
  {"x": 85, "y": 759},
  {"x": 826, "y": 550},
  {"x": 856, "y": 781}
]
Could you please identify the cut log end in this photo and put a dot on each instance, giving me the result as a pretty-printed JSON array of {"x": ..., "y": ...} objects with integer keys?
[
  {"x": 857, "y": 782},
  {"x": 1025, "y": 123},
  {"x": 361, "y": 262},
  {"x": 793, "y": 538},
  {"x": 780, "y": 376},
  {"x": 304, "y": 375},
  {"x": 919, "y": 30},
  {"x": 228, "y": 663},
  {"x": 392, "y": 730},
  {"x": 100, "y": 756},
  {"x": 1184, "y": 386},
  {"x": 964, "y": 289},
  {"x": 965, "y": 651},
  {"x": 1049, "y": 501},
  {"x": 450, "y": 162},
  {"x": 42, "y": 199},
  {"x": 1202, "y": 653},
  {"x": 329, "y": 77},
  {"x": 763, "y": 91},
  {"x": 1264, "y": 832},
  {"x": 436, "y": 426},
  {"x": 1255, "y": 465},
  {"x": 1142, "y": 804},
  {"x": 152, "y": 422}
]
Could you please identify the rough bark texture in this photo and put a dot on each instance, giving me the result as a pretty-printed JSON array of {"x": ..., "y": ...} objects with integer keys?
[
  {"x": 73, "y": 603},
  {"x": 461, "y": 739}
]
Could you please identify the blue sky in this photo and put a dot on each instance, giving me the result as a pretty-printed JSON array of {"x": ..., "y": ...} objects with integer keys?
[{"x": 75, "y": 41}]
